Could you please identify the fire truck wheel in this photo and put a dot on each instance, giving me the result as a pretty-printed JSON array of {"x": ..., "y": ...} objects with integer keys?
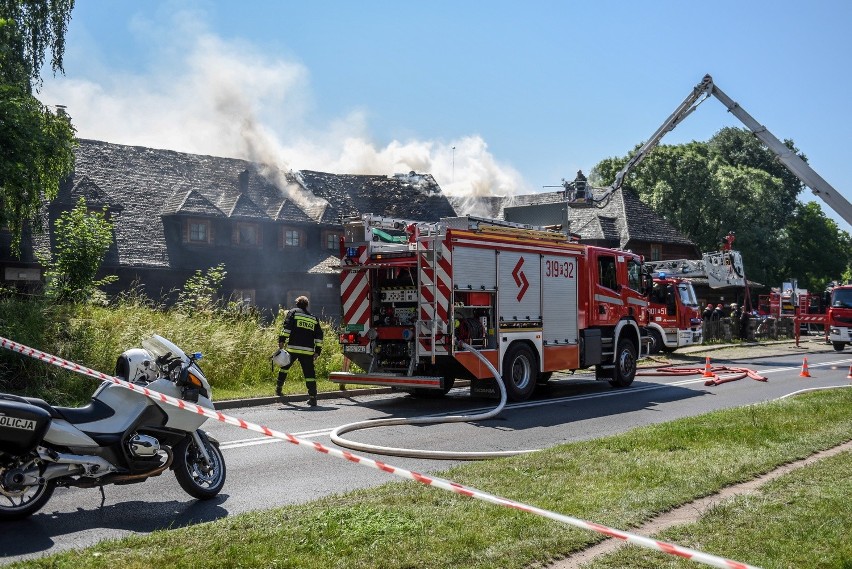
[
  {"x": 656, "y": 341},
  {"x": 838, "y": 346},
  {"x": 519, "y": 372},
  {"x": 625, "y": 364}
]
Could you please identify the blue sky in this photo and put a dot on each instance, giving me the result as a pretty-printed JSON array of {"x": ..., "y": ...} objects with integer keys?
[{"x": 490, "y": 97}]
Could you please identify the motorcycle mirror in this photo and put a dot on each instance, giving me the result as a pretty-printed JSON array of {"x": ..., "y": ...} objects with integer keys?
[{"x": 196, "y": 356}]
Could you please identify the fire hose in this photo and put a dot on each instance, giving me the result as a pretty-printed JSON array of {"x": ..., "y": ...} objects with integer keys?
[
  {"x": 336, "y": 434},
  {"x": 448, "y": 485},
  {"x": 712, "y": 373}
]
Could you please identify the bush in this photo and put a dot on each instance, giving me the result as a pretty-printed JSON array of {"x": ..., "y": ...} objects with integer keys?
[{"x": 236, "y": 350}]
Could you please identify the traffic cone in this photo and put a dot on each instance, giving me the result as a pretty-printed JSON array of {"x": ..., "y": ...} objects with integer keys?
[
  {"x": 707, "y": 371},
  {"x": 850, "y": 373},
  {"x": 805, "y": 372}
]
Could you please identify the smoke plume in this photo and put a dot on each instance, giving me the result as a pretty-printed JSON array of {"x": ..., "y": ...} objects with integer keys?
[{"x": 227, "y": 98}]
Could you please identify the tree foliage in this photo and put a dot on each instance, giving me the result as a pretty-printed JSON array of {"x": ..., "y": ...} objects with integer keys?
[
  {"x": 29, "y": 29},
  {"x": 200, "y": 292},
  {"x": 730, "y": 183},
  {"x": 82, "y": 241},
  {"x": 817, "y": 251},
  {"x": 36, "y": 143}
]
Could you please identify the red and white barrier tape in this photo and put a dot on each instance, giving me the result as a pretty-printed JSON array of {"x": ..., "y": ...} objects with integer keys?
[{"x": 670, "y": 548}]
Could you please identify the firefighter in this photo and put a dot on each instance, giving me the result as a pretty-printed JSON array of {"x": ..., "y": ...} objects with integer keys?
[
  {"x": 708, "y": 312},
  {"x": 301, "y": 336}
]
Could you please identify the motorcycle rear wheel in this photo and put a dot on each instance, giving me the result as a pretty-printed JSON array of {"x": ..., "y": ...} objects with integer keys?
[
  {"x": 18, "y": 503},
  {"x": 198, "y": 479}
]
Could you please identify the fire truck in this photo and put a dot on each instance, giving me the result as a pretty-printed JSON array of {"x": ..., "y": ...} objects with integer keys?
[
  {"x": 807, "y": 310},
  {"x": 674, "y": 314},
  {"x": 674, "y": 317},
  {"x": 839, "y": 317},
  {"x": 529, "y": 299}
]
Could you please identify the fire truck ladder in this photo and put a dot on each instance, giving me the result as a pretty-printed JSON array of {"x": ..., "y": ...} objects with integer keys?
[{"x": 427, "y": 304}]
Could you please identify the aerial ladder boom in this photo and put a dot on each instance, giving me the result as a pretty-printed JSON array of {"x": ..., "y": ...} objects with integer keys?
[{"x": 790, "y": 159}]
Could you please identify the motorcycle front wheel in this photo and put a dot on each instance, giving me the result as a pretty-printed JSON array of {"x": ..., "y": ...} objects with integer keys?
[
  {"x": 17, "y": 502},
  {"x": 197, "y": 478}
]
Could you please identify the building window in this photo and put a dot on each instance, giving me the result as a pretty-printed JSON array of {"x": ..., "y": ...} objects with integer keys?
[
  {"x": 246, "y": 234},
  {"x": 292, "y": 237},
  {"x": 332, "y": 240},
  {"x": 656, "y": 252},
  {"x": 198, "y": 231},
  {"x": 243, "y": 296}
]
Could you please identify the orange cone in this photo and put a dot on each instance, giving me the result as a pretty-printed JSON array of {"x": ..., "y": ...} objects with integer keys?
[
  {"x": 805, "y": 372},
  {"x": 850, "y": 373},
  {"x": 707, "y": 371}
]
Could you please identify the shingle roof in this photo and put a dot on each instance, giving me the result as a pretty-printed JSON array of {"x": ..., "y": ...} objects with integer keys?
[
  {"x": 145, "y": 184},
  {"x": 623, "y": 218}
]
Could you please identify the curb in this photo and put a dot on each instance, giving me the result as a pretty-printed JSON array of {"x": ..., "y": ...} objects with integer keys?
[{"x": 271, "y": 400}]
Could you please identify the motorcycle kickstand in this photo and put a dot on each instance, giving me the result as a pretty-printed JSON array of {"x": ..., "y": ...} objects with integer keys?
[{"x": 103, "y": 496}]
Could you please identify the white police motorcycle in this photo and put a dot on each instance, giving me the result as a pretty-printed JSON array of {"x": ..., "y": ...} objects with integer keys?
[{"x": 120, "y": 437}]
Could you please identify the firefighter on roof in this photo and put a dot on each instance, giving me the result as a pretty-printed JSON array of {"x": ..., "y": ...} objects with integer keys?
[{"x": 301, "y": 336}]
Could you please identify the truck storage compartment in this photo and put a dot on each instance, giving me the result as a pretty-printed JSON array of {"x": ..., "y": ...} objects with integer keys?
[{"x": 22, "y": 426}]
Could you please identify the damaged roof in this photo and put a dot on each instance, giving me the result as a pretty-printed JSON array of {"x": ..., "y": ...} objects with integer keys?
[{"x": 140, "y": 185}]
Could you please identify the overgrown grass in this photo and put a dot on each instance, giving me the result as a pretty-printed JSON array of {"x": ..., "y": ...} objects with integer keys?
[
  {"x": 621, "y": 480},
  {"x": 236, "y": 348}
]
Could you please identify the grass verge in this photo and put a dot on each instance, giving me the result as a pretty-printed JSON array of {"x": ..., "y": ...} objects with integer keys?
[
  {"x": 621, "y": 480},
  {"x": 801, "y": 519}
]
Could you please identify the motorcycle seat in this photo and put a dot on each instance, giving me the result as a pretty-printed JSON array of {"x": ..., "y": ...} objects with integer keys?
[
  {"x": 94, "y": 411},
  {"x": 41, "y": 403}
]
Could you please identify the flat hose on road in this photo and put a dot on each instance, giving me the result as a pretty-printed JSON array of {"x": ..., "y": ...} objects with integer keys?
[{"x": 337, "y": 439}]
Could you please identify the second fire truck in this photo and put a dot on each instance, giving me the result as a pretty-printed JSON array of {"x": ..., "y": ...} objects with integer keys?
[
  {"x": 674, "y": 315},
  {"x": 530, "y": 300}
]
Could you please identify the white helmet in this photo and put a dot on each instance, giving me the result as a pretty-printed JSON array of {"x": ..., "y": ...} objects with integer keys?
[
  {"x": 281, "y": 358},
  {"x": 136, "y": 364}
]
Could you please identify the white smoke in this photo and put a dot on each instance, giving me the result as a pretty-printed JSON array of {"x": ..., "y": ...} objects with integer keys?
[{"x": 229, "y": 99}]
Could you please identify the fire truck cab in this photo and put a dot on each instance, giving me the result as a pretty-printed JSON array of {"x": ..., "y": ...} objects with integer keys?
[
  {"x": 839, "y": 317},
  {"x": 529, "y": 299},
  {"x": 674, "y": 316}
]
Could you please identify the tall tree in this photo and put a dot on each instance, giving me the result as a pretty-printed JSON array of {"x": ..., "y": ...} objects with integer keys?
[
  {"x": 706, "y": 189},
  {"x": 36, "y": 143},
  {"x": 817, "y": 251}
]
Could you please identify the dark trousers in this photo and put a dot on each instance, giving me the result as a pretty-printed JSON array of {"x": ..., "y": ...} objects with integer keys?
[{"x": 307, "y": 363}]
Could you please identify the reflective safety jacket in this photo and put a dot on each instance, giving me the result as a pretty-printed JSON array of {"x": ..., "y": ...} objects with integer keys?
[{"x": 302, "y": 332}]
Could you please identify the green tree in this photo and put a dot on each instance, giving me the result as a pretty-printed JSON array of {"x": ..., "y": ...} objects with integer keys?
[
  {"x": 817, "y": 252},
  {"x": 707, "y": 189},
  {"x": 28, "y": 30},
  {"x": 36, "y": 143},
  {"x": 82, "y": 241}
]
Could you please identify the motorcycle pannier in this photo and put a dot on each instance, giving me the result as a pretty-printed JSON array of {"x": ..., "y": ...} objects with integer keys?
[{"x": 22, "y": 426}]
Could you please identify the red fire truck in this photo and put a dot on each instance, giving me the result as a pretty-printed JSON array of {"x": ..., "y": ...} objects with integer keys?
[
  {"x": 674, "y": 312},
  {"x": 530, "y": 300},
  {"x": 674, "y": 316},
  {"x": 839, "y": 317}
]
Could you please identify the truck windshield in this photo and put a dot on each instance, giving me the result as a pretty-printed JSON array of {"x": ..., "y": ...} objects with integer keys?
[
  {"x": 687, "y": 294},
  {"x": 842, "y": 298}
]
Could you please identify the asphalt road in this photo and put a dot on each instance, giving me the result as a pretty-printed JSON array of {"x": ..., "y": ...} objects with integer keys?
[{"x": 264, "y": 473}]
